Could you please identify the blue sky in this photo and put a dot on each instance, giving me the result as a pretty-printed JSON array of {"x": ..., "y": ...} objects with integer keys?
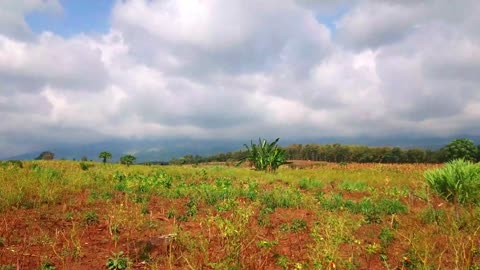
[{"x": 78, "y": 16}]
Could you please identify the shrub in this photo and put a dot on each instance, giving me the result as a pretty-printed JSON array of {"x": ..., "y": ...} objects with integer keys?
[
  {"x": 265, "y": 156},
  {"x": 458, "y": 181},
  {"x": 118, "y": 261}
]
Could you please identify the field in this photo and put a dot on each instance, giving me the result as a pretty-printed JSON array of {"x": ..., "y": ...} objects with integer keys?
[{"x": 71, "y": 215}]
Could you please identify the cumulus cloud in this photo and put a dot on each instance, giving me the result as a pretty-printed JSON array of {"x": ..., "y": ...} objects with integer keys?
[{"x": 241, "y": 69}]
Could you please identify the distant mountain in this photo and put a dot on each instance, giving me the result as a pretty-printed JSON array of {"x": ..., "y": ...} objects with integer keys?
[{"x": 166, "y": 149}]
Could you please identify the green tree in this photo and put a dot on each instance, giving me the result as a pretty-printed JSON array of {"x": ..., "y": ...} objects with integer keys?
[
  {"x": 46, "y": 155},
  {"x": 128, "y": 159},
  {"x": 461, "y": 149},
  {"x": 104, "y": 155}
]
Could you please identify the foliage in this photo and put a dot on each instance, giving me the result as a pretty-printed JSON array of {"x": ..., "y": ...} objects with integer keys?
[
  {"x": 265, "y": 156},
  {"x": 341, "y": 154},
  {"x": 13, "y": 163},
  {"x": 104, "y": 155},
  {"x": 128, "y": 159},
  {"x": 461, "y": 149},
  {"x": 47, "y": 265},
  {"x": 458, "y": 181},
  {"x": 46, "y": 155},
  {"x": 117, "y": 261},
  {"x": 85, "y": 166},
  {"x": 91, "y": 217}
]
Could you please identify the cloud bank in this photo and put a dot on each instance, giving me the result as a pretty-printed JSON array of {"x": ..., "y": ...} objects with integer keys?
[{"x": 241, "y": 69}]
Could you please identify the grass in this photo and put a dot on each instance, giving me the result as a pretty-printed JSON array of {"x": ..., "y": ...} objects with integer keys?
[{"x": 349, "y": 216}]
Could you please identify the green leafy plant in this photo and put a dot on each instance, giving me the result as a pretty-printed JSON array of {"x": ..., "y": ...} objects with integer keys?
[
  {"x": 104, "y": 155},
  {"x": 90, "y": 218},
  {"x": 386, "y": 237},
  {"x": 265, "y": 156},
  {"x": 47, "y": 265},
  {"x": 7, "y": 267},
  {"x": 85, "y": 166},
  {"x": 117, "y": 261}
]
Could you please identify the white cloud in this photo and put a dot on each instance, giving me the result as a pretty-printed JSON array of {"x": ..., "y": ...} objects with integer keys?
[{"x": 242, "y": 69}]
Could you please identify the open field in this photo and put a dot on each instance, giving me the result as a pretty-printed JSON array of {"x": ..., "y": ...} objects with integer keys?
[{"x": 326, "y": 216}]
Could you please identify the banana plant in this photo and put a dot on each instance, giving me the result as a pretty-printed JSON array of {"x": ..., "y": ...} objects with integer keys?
[{"x": 265, "y": 156}]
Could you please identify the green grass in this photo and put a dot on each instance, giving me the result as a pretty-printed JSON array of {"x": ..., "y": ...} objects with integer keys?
[{"x": 235, "y": 218}]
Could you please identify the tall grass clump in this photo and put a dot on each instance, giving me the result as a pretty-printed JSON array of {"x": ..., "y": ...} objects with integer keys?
[{"x": 457, "y": 182}]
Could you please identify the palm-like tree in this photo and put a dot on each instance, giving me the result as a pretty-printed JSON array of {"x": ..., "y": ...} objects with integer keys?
[
  {"x": 104, "y": 155},
  {"x": 265, "y": 156}
]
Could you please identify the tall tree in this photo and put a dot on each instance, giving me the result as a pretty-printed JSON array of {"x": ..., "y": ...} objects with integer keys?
[
  {"x": 46, "y": 155},
  {"x": 462, "y": 148},
  {"x": 128, "y": 159},
  {"x": 104, "y": 155}
]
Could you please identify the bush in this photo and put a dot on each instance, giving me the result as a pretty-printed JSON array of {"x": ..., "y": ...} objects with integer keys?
[
  {"x": 265, "y": 156},
  {"x": 458, "y": 181}
]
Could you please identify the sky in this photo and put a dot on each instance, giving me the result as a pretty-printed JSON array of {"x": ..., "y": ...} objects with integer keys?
[{"x": 86, "y": 71}]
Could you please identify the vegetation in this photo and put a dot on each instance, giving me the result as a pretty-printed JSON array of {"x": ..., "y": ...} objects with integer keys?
[
  {"x": 461, "y": 149},
  {"x": 346, "y": 154},
  {"x": 46, "y": 155},
  {"x": 333, "y": 216},
  {"x": 265, "y": 156},
  {"x": 105, "y": 156},
  {"x": 128, "y": 160},
  {"x": 457, "y": 182}
]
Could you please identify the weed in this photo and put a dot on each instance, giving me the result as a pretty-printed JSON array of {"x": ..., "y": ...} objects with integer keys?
[
  {"x": 85, "y": 166},
  {"x": 386, "y": 237},
  {"x": 431, "y": 215},
  {"x": 7, "y": 267},
  {"x": 264, "y": 217},
  {"x": 171, "y": 213},
  {"x": 191, "y": 207},
  {"x": 282, "y": 261},
  {"x": 47, "y": 265},
  {"x": 309, "y": 184},
  {"x": 90, "y": 218},
  {"x": 353, "y": 186},
  {"x": 266, "y": 244},
  {"x": 281, "y": 197},
  {"x": 118, "y": 261},
  {"x": 298, "y": 225}
]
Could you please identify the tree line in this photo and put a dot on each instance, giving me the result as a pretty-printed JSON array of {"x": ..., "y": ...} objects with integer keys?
[{"x": 459, "y": 148}]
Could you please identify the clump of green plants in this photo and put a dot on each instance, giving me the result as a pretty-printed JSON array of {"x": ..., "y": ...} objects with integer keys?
[
  {"x": 90, "y": 218},
  {"x": 431, "y": 215},
  {"x": 458, "y": 181},
  {"x": 7, "y": 267},
  {"x": 386, "y": 236},
  {"x": 85, "y": 166},
  {"x": 295, "y": 226},
  {"x": 281, "y": 198},
  {"x": 265, "y": 156},
  {"x": 47, "y": 265},
  {"x": 118, "y": 261},
  {"x": 309, "y": 184},
  {"x": 12, "y": 163}
]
